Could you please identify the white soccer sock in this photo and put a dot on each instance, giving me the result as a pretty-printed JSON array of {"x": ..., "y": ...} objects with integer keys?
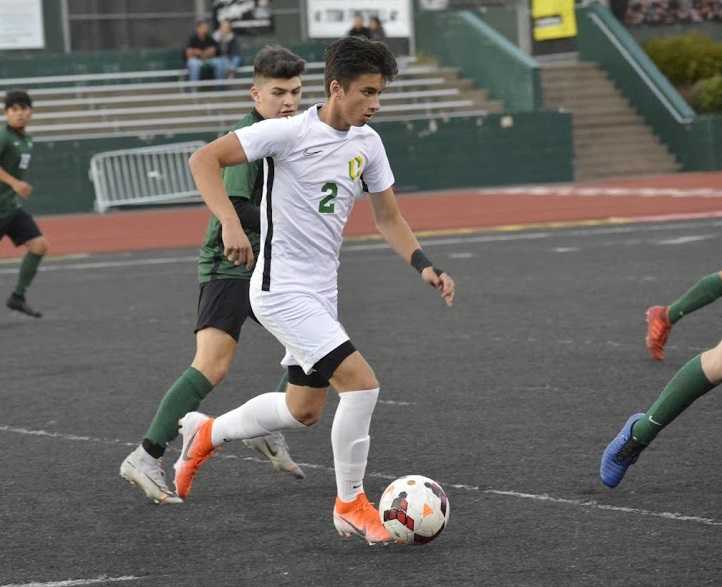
[
  {"x": 350, "y": 440},
  {"x": 259, "y": 416}
]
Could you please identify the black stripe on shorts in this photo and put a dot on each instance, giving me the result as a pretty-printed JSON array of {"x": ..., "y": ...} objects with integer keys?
[{"x": 266, "y": 284}]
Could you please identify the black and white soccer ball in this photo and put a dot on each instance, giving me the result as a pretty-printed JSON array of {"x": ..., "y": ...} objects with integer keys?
[{"x": 414, "y": 509}]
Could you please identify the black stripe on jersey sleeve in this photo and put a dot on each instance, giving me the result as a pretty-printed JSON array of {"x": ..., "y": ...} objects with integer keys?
[{"x": 266, "y": 285}]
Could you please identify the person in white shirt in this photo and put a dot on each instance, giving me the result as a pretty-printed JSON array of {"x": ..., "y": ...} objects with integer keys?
[{"x": 315, "y": 166}]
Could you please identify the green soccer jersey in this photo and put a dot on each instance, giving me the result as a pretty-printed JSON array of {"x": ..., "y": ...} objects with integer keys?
[
  {"x": 241, "y": 181},
  {"x": 15, "y": 152}
]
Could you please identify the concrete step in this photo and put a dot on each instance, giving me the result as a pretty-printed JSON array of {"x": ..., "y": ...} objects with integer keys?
[
  {"x": 556, "y": 94},
  {"x": 566, "y": 64},
  {"x": 598, "y": 107},
  {"x": 610, "y": 138},
  {"x": 630, "y": 149},
  {"x": 588, "y": 171},
  {"x": 581, "y": 103},
  {"x": 573, "y": 88},
  {"x": 618, "y": 141},
  {"x": 590, "y": 175},
  {"x": 582, "y": 121},
  {"x": 621, "y": 160},
  {"x": 573, "y": 76}
]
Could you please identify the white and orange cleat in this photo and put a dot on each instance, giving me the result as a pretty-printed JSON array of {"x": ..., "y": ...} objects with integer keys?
[
  {"x": 197, "y": 449},
  {"x": 274, "y": 448},
  {"x": 359, "y": 517}
]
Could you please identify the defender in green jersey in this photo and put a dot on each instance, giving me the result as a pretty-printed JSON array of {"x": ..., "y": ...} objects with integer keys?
[
  {"x": 223, "y": 303},
  {"x": 15, "y": 152}
]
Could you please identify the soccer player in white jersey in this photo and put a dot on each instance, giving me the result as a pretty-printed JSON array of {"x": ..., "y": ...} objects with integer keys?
[{"x": 315, "y": 167}]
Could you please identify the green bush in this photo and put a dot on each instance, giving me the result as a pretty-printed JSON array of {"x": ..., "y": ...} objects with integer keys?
[
  {"x": 706, "y": 95},
  {"x": 686, "y": 59}
]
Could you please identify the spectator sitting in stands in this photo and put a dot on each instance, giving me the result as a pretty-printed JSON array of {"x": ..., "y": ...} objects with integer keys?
[
  {"x": 376, "y": 29},
  {"x": 635, "y": 14},
  {"x": 358, "y": 29},
  {"x": 202, "y": 51},
  {"x": 656, "y": 13},
  {"x": 716, "y": 10},
  {"x": 228, "y": 50},
  {"x": 662, "y": 12}
]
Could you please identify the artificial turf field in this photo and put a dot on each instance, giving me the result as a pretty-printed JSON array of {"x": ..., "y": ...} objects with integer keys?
[{"x": 507, "y": 399}]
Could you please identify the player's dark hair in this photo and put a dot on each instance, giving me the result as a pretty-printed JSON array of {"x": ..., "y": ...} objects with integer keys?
[
  {"x": 274, "y": 61},
  {"x": 351, "y": 57},
  {"x": 17, "y": 98}
]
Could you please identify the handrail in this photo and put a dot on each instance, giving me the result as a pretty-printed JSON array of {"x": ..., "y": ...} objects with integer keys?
[{"x": 643, "y": 74}]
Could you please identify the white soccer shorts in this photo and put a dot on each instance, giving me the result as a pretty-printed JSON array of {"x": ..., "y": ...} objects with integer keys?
[{"x": 306, "y": 323}]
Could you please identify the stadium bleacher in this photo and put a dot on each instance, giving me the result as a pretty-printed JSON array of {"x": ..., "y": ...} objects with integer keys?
[{"x": 154, "y": 102}]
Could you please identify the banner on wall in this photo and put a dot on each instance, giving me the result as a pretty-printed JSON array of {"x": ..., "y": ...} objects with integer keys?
[
  {"x": 21, "y": 24},
  {"x": 553, "y": 19},
  {"x": 246, "y": 16},
  {"x": 332, "y": 18}
]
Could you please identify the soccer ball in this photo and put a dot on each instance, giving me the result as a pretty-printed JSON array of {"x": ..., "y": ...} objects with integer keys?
[{"x": 414, "y": 509}]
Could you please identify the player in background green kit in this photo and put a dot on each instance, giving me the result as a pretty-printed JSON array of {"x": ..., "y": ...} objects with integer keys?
[
  {"x": 661, "y": 318},
  {"x": 15, "y": 153},
  {"x": 223, "y": 303},
  {"x": 698, "y": 376}
]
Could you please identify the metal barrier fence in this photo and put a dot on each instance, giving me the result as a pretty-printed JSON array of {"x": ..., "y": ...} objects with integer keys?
[{"x": 149, "y": 175}]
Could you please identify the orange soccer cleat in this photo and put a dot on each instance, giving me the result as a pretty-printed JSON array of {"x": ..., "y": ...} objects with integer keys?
[
  {"x": 359, "y": 517},
  {"x": 197, "y": 449},
  {"x": 658, "y": 328}
]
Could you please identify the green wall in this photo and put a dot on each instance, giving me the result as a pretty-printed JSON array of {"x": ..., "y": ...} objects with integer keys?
[
  {"x": 425, "y": 154},
  {"x": 462, "y": 39},
  {"x": 42, "y": 64}
]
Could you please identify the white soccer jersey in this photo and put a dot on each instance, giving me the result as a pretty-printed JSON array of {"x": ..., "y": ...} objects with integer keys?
[{"x": 312, "y": 177}]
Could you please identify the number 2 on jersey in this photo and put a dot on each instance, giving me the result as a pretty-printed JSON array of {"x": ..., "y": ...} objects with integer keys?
[{"x": 327, "y": 204}]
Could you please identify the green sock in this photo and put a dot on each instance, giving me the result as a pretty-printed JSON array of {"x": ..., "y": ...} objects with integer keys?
[
  {"x": 704, "y": 292},
  {"x": 28, "y": 269},
  {"x": 184, "y": 396},
  {"x": 688, "y": 384}
]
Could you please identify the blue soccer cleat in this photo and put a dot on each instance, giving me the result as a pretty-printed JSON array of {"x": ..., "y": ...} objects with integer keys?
[{"x": 622, "y": 452}]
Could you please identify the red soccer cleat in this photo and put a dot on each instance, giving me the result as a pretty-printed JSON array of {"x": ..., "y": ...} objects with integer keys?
[{"x": 658, "y": 328}]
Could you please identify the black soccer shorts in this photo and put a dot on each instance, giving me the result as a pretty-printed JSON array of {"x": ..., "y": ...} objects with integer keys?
[
  {"x": 20, "y": 227},
  {"x": 224, "y": 304}
]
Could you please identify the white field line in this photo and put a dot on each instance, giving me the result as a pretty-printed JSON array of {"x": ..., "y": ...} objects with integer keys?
[
  {"x": 477, "y": 237},
  {"x": 683, "y": 240},
  {"x": 110, "y": 264},
  {"x": 537, "y": 497},
  {"x": 390, "y": 402},
  {"x": 72, "y": 582},
  {"x": 593, "y": 191}
]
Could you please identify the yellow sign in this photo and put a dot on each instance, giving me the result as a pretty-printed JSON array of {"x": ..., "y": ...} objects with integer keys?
[{"x": 553, "y": 19}]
